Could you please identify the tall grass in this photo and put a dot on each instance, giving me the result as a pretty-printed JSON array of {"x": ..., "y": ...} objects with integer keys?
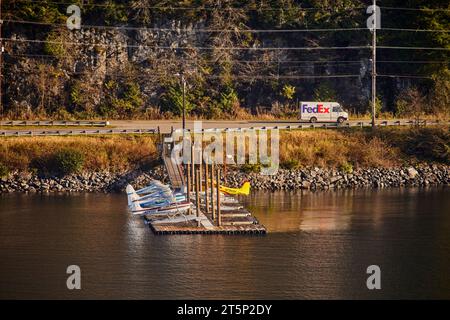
[
  {"x": 346, "y": 149},
  {"x": 99, "y": 153},
  {"x": 336, "y": 149}
]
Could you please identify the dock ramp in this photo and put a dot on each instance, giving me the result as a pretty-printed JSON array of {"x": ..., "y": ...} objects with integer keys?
[{"x": 174, "y": 170}]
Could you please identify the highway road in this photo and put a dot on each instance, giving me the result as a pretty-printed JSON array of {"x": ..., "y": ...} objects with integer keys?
[{"x": 165, "y": 126}]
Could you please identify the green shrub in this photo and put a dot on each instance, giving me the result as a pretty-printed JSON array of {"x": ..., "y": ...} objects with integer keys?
[
  {"x": 346, "y": 167},
  {"x": 114, "y": 12},
  {"x": 68, "y": 161},
  {"x": 172, "y": 100},
  {"x": 249, "y": 168},
  {"x": 54, "y": 45},
  {"x": 325, "y": 92},
  {"x": 378, "y": 106},
  {"x": 290, "y": 164},
  {"x": 228, "y": 100},
  {"x": 288, "y": 91},
  {"x": 133, "y": 95},
  {"x": 4, "y": 171}
]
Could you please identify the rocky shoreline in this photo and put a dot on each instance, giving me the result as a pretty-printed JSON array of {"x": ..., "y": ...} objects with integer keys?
[
  {"x": 86, "y": 182},
  {"x": 311, "y": 179},
  {"x": 326, "y": 179}
]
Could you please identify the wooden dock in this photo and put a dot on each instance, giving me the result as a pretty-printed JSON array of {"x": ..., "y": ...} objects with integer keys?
[
  {"x": 213, "y": 212},
  {"x": 191, "y": 227},
  {"x": 235, "y": 222}
]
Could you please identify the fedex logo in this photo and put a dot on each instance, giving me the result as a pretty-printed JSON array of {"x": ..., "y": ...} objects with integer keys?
[{"x": 319, "y": 109}]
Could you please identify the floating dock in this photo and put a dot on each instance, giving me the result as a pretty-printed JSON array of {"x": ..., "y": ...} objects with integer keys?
[
  {"x": 232, "y": 222},
  {"x": 213, "y": 211},
  {"x": 192, "y": 228}
]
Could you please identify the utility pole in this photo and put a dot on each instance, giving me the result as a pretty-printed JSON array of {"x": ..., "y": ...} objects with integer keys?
[{"x": 374, "y": 63}]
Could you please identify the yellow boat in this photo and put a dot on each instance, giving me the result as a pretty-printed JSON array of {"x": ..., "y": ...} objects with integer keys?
[{"x": 244, "y": 190}]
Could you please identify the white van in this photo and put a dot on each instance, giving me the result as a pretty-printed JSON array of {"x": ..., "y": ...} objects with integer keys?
[{"x": 322, "y": 112}]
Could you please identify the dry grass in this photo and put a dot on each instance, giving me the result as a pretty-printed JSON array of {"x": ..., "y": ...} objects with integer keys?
[
  {"x": 349, "y": 148},
  {"x": 100, "y": 153},
  {"x": 336, "y": 149}
]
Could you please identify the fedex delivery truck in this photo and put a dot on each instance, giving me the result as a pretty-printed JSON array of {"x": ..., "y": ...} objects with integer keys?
[{"x": 322, "y": 112}]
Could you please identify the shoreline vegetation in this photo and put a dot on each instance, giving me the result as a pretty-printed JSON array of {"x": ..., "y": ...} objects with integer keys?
[
  {"x": 48, "y": 74},
  {"x": 309, "y": 159}
]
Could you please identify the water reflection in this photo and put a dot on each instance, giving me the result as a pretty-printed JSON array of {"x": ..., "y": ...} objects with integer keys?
[
  {"x": 327, "y": 211},
  {"x": 318, "y": 246}
]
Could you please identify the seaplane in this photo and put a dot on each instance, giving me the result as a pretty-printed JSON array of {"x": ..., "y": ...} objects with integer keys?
[
  {"x": 242, "y": 191},
  {"x": 159, "y": 199},
  {"x": 156, "y": 198}
]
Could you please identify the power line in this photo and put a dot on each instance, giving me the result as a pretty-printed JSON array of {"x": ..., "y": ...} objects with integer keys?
[
  {"x": 403, "y": 76},
  {"x": 192, "y": 30},
  {"x": 414, "y": 48},
  {"x": 265, "y": 61},
  {"x": 415, "y": 30},
  {"x": 256, "y": 77},
  {"x": 215, "y": 60},
  {"x": 226, "y": 48},
  {"x": 417, "y": 9},
  {"x": 186, "y": 48},
  {"x": 415, "y": 62},
  {"x": 130, "y": 28}
]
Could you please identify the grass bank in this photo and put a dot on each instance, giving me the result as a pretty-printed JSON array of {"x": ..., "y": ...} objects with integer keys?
[
  {"x": 363, "y": 148},
  {"x": 43, "y": 154},
  {"x": 345, "y": 149}
]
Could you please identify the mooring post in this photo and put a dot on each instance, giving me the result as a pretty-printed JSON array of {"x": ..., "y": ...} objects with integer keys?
[
  {"x": 201, "y": 169},
  {"x": 219, "y": 218},
  {"x": 197, "y": 196},
  {"x": 213, "y": 211},
  {"x": 188, "y": 179},
  {"x": 194, "y": 182},
  {"x": 206, "y": 188}
]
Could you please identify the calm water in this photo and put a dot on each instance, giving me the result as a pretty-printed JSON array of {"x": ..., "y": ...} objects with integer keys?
[{"x": 319, "y": 246}]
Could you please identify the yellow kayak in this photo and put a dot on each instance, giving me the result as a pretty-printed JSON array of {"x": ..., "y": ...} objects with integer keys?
[{"x": 244, "y": 190}]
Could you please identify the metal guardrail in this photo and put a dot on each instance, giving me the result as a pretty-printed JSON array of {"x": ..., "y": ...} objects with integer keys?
[
  {"x": 73, "y": 132},
  {"x": 360, "y": 124},
  {"x": 45, "y": 123},
  {"x": 79, "y": 132}
]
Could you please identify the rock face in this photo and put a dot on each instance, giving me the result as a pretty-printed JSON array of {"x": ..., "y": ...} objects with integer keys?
[
  {"x": 312, "y": 179},
  {"x": 86, "y": 73}
]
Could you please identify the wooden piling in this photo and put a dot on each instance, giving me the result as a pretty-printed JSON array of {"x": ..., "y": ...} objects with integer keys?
[
  {"x": 213, "y": 211},
  {"x": 201, "y": 170},
  {"x": 197, "y": 195},
  {"x": 206, "y": 188},
  {"x": 219, "y": 218},
  {"x": 188, "y": 179},
  {"x": 194, "y": 182}
]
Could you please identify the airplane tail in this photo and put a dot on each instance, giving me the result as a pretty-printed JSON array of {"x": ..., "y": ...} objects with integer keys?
[
  {"x": 245, "y": 189},
  {"x": 131, "y": 194}
]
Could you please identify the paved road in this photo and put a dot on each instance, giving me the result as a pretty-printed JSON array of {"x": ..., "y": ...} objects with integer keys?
[{"x": 165, "y": 126}]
